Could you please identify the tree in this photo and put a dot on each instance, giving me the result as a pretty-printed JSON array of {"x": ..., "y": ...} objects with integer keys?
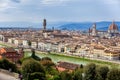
[
  {"x": 77, "y": 75},
  {"x": 49, "y": 65},
  {"x": 23, "y": 59},
  {"x": 113, "y": 74},
  {"x": 30, "y": 67},
  {"x": 34, "y": 56},
  {"x": 46, "y": 58},
  {"x": 12, "y": 41},
  {"x": 81, "y": 66},
  {"x": 29, "y": 43},
  {"x": 37, "y": 75},
  {"x": 47, "y": 62},
  {"x": 56, "y": 77},
  {"x": 5, "y": 64},
  {"x": 90, "y": 72},
  {"x": 65, "y": 75},
  {"x": 102, "y": 73}
]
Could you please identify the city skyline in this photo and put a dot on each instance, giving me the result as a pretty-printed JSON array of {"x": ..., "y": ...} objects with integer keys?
[{"x": 59, "y": 10}]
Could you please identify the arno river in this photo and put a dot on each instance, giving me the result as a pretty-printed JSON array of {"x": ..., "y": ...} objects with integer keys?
[{"x": 57, "y": 58}]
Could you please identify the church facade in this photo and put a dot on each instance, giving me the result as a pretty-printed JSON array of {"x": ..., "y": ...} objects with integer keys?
[{"x": 112, "y": 31}]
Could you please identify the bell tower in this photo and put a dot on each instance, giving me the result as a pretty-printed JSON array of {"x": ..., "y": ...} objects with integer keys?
[
  {"x": 94, "y": 31},
  {"x": 44, "y": 24}
]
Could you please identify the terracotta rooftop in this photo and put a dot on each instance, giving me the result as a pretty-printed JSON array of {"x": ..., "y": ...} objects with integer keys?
[
  {"x": 9, "y": 49},
  {"x": 113, "y": 26},
  {"x": 113, "y": 51},
  {"x": 67, "y": 65}
]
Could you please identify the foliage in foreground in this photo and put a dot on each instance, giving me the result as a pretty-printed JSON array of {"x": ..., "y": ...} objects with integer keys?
[
  {"x": 5, "y": 64},
  {"x": 113, "y": 74},
  {"x": 34, "y": 56},
  {"x": 32, "y": 69}
]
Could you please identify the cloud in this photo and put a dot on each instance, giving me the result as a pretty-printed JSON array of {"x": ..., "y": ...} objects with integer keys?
[
  {"x": 3, "y": 5},
  {"x": 54, "y": 2},
  {"x": 16, "y": 1},
  {"x": 6, "y": 4},
  {"x": 112, "y": 2},
  {"x": 59, "y": 10}
]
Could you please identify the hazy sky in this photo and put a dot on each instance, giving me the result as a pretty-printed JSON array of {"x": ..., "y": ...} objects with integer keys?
[{"x": 59, "y": 10}]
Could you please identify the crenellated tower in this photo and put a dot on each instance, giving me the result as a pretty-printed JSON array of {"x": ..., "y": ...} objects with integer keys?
[{"x": 44, "y": 24}]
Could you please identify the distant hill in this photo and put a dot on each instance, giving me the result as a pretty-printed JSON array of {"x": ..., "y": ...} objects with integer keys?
[
  {"x": 19, "y": 24},
  {"x": 29, "y": 24},
  {"x": 86, "y": 25},
  {"x": 60, "y": 25},
  {"x": 75, "y": 26}
]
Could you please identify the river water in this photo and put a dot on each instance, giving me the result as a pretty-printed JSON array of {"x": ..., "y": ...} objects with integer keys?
[
  {"x": 76, "y": 60},
  {"x": 57, "y": 58}
]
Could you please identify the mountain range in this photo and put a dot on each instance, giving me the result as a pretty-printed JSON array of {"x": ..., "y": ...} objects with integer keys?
[{"x": 61, "y": 25}]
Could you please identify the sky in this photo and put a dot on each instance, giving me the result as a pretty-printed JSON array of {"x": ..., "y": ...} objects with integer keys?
[{"x": 59, "y": 10}]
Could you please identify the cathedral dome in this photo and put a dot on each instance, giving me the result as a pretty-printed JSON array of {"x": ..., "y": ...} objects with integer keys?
[{"x": 113, "y": 26}]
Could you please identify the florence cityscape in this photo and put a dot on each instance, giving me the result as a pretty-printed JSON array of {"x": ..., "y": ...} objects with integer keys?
[{"x": 59, "y": 40}]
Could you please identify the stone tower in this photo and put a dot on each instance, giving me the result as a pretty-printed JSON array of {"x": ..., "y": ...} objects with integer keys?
[
  {"x": 94, "y": 31},
  {"x": 44, "y": 24}
]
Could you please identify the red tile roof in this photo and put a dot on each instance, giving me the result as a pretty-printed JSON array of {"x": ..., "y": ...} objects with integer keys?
[
  {"x": 113, "y": 26},
  {"x": 67, "y": 65}
]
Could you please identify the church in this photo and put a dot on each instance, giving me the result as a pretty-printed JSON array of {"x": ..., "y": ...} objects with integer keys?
[{"x": 112, "y": 31}]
